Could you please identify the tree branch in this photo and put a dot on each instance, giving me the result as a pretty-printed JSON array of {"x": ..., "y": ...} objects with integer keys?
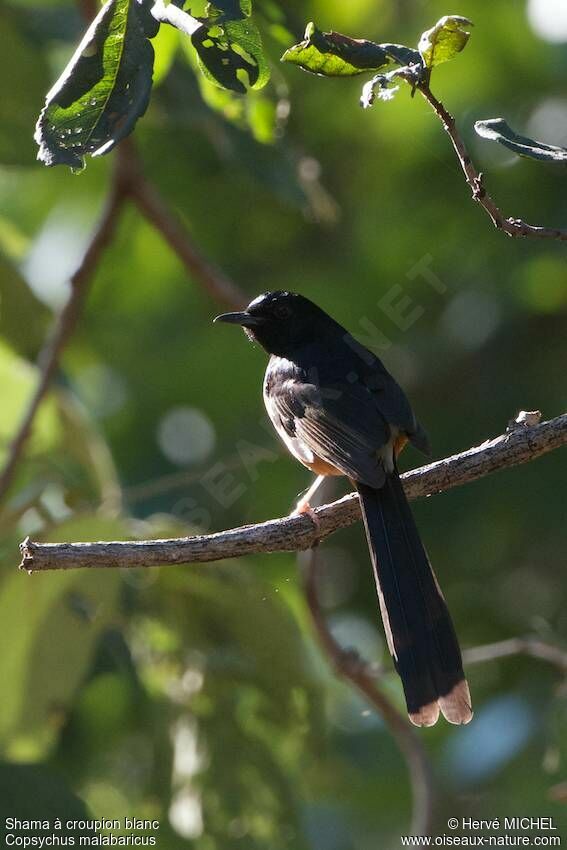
[
  {"x": 513, "y": 227},
  {"x": 531, "y": 646},
  {"x": 358, "y": 672},
  {"x": 520, "y": 445},
  {"x": 128, "y": 182},
  {"x": 150, "y": 203},
  {"x": 66, "y": 321}
]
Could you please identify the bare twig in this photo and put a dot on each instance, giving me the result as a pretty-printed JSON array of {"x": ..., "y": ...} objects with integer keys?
[
  {"x": 513, "y": 227},
  {"x": 129, "y": 182},
  {"x": 355, "y": 670},
  {"x": 296, "y": 533},
  {"x": 66, "y": 321},
  {"x": 150, "y": 203},
  {"x": 532, "y": 646}
]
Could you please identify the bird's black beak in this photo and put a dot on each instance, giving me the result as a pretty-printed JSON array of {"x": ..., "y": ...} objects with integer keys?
[{"x": 244, "y": 319}]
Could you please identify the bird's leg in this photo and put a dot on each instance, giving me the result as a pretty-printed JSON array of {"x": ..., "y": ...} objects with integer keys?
[{"x": 303, "y": 506}]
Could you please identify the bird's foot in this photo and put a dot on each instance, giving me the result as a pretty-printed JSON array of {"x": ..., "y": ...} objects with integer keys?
[{"x": 303, "y": 507}]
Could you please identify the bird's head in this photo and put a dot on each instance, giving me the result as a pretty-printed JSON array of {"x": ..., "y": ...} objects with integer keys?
[{"x": 280, "y": 321}]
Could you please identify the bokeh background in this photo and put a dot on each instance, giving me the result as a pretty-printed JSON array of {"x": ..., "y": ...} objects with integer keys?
[{"x": 197, "y": 695}]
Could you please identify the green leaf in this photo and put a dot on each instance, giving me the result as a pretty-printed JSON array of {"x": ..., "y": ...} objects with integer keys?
[
  {"x": 103, "y": 90},
  {"x": 234, "y": 9},
  {"x": 54, "y": 624},
  {"x": 166, "y": 46},
  {"x": 497, "y": 130},
  {"x": 443, "y": 41},
  {"x": 21, "y": 310},
  {"x": 331, "y": 54},
  {"x": 18, "y": 380},
  {"x": 65, "y": 449},
  {"x": 231, "y": 54}
]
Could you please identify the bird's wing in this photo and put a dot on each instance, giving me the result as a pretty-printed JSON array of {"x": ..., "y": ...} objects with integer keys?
[
  {"x": 342, "y": 426},
  {"x": 391, "y": 400}
]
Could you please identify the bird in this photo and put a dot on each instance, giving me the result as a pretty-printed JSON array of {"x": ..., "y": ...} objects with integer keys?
[{"x": 340, "y": 412}]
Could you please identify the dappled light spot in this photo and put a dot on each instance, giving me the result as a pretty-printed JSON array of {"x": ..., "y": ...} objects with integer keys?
[
  {"x": 471, "y": 318},
  {"x": 55, "y": 254},
  {"x": 542, "y": 284},
  {"x": 500, "y": 731},
  {"x": 548, "y": 19},
  {"x": 186, "y": 435},
  {"x": 102, "y": 389},
  {"x": 185, "y": 814},
  {"x": 548, "y": 121}
]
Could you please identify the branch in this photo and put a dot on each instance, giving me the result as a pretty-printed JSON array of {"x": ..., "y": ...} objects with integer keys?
[
  {"x": 150, "y": 203},
  {"x": 532, "y": 646},
  {"x": 351, "y": 667},
  {"x": 520, "y": 445},
  {"x": 65, "y": 324},
  {"x": 128, "y": 182},
  {"x": 513, "y": 227}
]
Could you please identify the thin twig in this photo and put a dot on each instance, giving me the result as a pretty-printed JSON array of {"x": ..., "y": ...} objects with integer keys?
[
  {"x": 355, "y": 670},
  {"x": 513, "y": 227},
  {"x": 66, "y": 321},
  {"x": 129, "y": 182},
  {"x": 531, "y": 646},
  {"x": 147, "y": 198},
  {"x": 296, "y": 533}
]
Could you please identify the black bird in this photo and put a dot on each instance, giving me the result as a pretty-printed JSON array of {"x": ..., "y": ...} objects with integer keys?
[{"x": 340, "y": 412}]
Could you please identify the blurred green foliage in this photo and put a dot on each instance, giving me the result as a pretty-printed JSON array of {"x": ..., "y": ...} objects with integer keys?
[{"x": 196, "y": 695}]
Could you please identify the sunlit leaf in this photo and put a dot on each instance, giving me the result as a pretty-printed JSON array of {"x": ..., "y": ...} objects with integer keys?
[
  {"x": 497, "y": 130},
  {"x": 103, "y": 90},
  {"x": 255, "y": 113},
  {"x": 443, "y": 41},
  {"x": 54, "y": 623},
  {"x": 231, "y": 54},
  {"x": 331, "y": 54}
]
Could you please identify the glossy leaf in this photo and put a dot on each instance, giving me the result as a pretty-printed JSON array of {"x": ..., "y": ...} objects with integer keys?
[
  {"x": 443, "y": 41},
  {"x": 497, "y": 130},
  {"x": 331, "y": 54},
  {"x": 231, "y": 54},
  {"x": 103, "y": 90}
]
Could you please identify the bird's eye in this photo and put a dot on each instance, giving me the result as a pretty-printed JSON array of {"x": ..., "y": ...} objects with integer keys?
[{"x": 282, "y": 311}]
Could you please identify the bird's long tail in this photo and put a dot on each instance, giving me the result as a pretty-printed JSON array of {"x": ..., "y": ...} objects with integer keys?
[{"x": 418, "y": 626}]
